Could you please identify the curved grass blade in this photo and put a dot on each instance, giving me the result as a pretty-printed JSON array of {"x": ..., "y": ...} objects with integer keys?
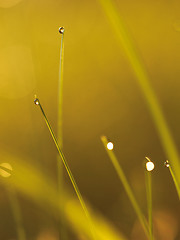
[
  {"x": 41, "y": 190},
  {"x": 142, "y": 77}
]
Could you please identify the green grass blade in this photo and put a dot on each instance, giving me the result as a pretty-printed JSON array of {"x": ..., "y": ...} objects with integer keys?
[
  {"x": 37, "y": 102},
  {"x": 60, "y": 93},
  {"x": 60, "y": 180},
  {"x": 15, "y": 208},
  {"x": 143, "y": 80},
  {"x": 40, "y": 189},
  {"x": 175, "y": 181},
  {"x": 126, "y": 185},
  {"x": 149, "y": 202}
]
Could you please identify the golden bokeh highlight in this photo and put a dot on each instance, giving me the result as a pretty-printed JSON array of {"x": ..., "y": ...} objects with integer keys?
[
  {"x": 110, "y": 146},
  {"x": 9, "y": 3},
  {"x": 5, "y": 170},
  {"x": 17, "y": 72},
  {"x": 149, "y": 166}
]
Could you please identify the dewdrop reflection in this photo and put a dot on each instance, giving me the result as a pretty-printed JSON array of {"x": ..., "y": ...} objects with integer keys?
[
  {"x": 36, "y": 101},
  {"x": 166, "y": 163},
  {"x": 149, "y": 166},
  {"x": 110, "y": 146},
  {"x": 61, "y": 30}
]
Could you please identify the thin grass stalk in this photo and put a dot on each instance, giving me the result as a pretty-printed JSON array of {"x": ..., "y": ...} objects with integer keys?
[
  {"x": 60, "y": 92},
  {"x": 142, "y": 77},
  {"x": 127, "y": 187},
  {"x": 149, "y": 202},
  {"x": 42, "y": 191},
  {"x": 60, "y": 180},
  {"x": 15, "y": 208},
  {"x": 175, "y": 181},
  {"x": 81, "y": 200}
]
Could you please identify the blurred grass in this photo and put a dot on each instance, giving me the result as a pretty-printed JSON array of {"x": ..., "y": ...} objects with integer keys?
[
  {"x": 16, "y": 211},
  {"x": 60, "y": 93},
  {"x": 68, "y": 170},
  {"x": 149, "y": 201},
  {"x": 175, "y": 181},
  {"x": 126, "y": 186},
  {"x": 40, "y": 189},
  {"x": 120, "y": 31},
  {"x": 60, "y": 181}
]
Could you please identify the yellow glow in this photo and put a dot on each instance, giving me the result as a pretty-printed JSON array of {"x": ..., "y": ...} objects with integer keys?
[
  {"x": 149, "y": 166},
  {"x": 144, "y": 82},
  {"x": 110, "y": 145},
  {"x": 17, "y": 72},
  {"x": 27, "y": 175},
  {"x": 5, "y": 170},
  {"x": 9, "y": 3}
]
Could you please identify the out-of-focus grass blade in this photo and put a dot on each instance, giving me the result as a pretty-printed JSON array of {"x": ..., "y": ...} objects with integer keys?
[
  {"x": 124, "y": 40},
  {"x": 39, "y": 188},
  {"x": 126, "y": 185},
  {"x": 15, "y": 208},
  {"x": 104, "y": 229},
  {"x": 60, "y": 180},
  {"x": 149, "y": 201},
  {"x": 6, "y": 172},
  {"x": 60, "y": 91},
  {"x": 167, "y": 164},
  {"x": 66, "y": 165}
]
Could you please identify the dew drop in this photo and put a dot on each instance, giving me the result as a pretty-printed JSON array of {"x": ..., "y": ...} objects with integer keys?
[
  {"x": 149, "y": 166},
  {"x": 166, "y": 163},
  {"x": 61, "y": 30},
  {"x": 36, "y": 101},
  {"x": 110, "y": 146}
]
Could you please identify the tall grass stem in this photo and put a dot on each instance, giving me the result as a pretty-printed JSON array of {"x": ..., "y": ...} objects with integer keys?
[
  {"x": 127, "y": 187},
  {"x": 81, "y": 200},
  {"x": 143, "y": 80},
  {"x": 149, "y": 201}
]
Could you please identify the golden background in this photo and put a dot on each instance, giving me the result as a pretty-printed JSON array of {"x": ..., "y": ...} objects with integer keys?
[{"x": 101, "y": 96}]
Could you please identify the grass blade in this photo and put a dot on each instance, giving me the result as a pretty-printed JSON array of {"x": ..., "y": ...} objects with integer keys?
[
  {"x": 37, "y": 102},
  {"x": 126, "y": 185},
  {"x": 15, "y": 208},
  {"x": 149, "y": 200},
  {"x": 124, "y": 40},
  {"x": 167, "y": 164},
  {"x": 60, "y": 180}
]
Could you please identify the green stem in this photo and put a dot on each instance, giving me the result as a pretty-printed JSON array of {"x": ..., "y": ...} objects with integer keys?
[
  {"x": 68, "y": 171},
  {"x": 149, "y": 202},
  {"x": 62, "y": 232},
  {"x": 143, "y": 80},
  {"x": 175, "y": 181},
  {"x": 14, "y": 203},
  {"x": 127, "y": 187}
]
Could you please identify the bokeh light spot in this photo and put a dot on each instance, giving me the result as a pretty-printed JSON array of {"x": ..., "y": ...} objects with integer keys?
[
  {"x": 5, "y": 170},
  {"x": 110, "y": 146},
  {"x": 17, "y": 72},
  {"x": 149, "y": 166}
]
